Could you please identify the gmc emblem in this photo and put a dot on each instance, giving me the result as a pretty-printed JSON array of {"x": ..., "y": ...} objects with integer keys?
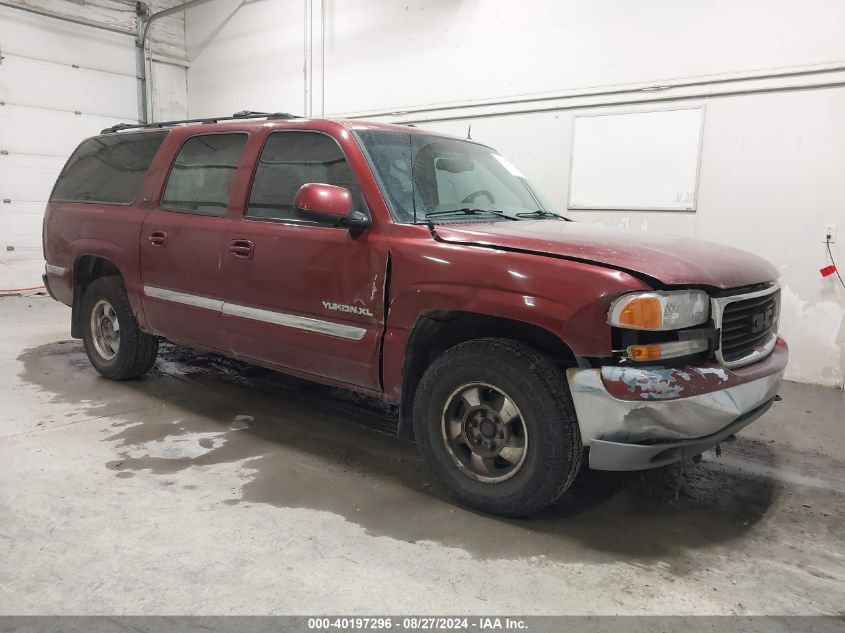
[{"x": 762, "y": 321}]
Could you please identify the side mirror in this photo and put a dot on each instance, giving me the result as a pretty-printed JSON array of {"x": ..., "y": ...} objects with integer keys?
[{"x": 330, "y": 205}]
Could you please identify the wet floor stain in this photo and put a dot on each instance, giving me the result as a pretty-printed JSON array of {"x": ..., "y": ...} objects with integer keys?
[{"x": 304, "y": 445}]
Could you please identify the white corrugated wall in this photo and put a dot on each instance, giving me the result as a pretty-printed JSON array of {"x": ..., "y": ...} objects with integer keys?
[{"x": 59, "y": 83}]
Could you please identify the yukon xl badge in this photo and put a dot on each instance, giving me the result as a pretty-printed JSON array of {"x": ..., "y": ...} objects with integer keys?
[{"x": 342, "y": 307}]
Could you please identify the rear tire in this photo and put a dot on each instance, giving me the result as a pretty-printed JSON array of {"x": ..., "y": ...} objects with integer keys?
[
  {"x": 494, "y": 421},
  {"x": 115, "y": 345}
]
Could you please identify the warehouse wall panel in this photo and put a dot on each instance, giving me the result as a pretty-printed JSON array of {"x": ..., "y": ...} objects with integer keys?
[
  {"x": 62, "y": 87},
  {"x": 28, "y": 178},
  {"x": 60, "y": 83},
  {"x": 25, "y": 34},
  {"x": 25, "y": 130}
]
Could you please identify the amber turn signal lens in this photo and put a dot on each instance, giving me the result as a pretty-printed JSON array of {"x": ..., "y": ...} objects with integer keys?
[
  {"x": 645, "y": 352},
  {"x": 673, "y": 349},
  {"x": 642, "y": 312}
]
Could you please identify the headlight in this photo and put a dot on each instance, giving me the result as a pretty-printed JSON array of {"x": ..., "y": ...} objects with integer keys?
[{"x": 659, "y": 310}]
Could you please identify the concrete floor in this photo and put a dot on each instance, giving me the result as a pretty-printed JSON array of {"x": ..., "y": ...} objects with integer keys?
[{"x": 212, "y": 487}]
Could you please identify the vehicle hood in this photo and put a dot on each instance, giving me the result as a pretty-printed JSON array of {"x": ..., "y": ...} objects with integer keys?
[{"x": 672, "y": 260}]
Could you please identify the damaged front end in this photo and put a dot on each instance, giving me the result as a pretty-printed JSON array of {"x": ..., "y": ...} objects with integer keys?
[
  {"x": 727, "y": 364},
  {"x": 635, "y": 418}
]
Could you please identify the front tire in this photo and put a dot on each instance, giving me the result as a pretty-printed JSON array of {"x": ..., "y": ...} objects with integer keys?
[
  {"x": 495, "y": 423},
  {"x": 115, "y": 345}
]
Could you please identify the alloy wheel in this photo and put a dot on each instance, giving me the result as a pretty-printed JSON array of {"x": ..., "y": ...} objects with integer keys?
[
  {"x": 484, "y": 432},
  {"x": 105, "y": 330}
]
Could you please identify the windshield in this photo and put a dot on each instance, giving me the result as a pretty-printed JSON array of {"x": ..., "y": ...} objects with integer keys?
[{"x": 430, "y": 178}]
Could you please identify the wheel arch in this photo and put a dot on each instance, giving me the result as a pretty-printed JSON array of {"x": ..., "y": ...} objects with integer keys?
[{"x": 436, "y": 331}]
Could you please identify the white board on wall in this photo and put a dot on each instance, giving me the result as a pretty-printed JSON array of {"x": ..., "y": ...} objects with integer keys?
[{"x": 636, "y": 160}]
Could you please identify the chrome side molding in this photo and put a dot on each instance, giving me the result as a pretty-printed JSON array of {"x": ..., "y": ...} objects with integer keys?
[
  {"x": 330, "y": 328},
  {"x": 184, "y": 298}
]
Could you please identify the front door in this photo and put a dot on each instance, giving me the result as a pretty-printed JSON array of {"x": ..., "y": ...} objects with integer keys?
[
  {"x": 303, "y": 296},
  {"x": 182, "y": 241}
]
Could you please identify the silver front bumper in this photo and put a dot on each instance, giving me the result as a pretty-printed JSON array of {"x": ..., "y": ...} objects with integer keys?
[{"x": 664, "y": 425}]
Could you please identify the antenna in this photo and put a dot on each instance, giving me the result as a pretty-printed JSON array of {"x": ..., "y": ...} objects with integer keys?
[{"x": 469, "y": 132}]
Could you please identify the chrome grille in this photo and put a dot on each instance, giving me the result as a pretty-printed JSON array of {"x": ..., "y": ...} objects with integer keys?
[{"x": 748, "y": 324}]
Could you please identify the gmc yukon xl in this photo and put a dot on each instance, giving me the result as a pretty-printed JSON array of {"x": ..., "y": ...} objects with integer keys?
[{"x": 421, "y": 269}]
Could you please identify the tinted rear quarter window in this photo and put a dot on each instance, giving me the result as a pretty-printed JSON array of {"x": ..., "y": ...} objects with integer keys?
[
  {"x": 108, "y": 169},
  {"x": 202, "y": 173}
]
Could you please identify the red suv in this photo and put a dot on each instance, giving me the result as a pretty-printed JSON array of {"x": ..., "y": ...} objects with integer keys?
[{"x": 422, "y": 269}]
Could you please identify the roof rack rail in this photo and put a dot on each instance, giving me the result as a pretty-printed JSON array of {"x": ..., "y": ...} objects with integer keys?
[{"x": 243, "y": 114}]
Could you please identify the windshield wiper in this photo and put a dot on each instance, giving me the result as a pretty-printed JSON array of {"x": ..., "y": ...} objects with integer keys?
[
  {"x": 539, "y": 213},
  {"x": 469, "y": 211}
]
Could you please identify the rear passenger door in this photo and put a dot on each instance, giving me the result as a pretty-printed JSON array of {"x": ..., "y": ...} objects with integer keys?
[
  {"x": 182, "y": 242},
  {"x": 303, "y": 296}
]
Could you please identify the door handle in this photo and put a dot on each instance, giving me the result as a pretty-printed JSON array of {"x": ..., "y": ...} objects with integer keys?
[
  {"x": 242, "y": 248},
  {"x": 158, "y": 238}
]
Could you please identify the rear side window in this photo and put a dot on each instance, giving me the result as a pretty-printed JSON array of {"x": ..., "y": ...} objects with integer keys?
[
  {"x": 202, "y": 174},
  {"x": 108, "y": 169},
  {"x": 290, "y": 160}
]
